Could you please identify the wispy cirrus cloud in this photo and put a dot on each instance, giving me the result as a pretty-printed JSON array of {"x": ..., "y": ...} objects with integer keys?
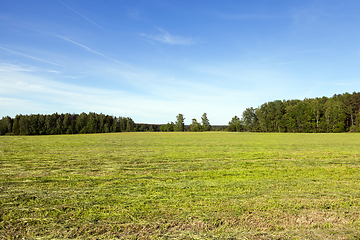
[
  {"x": 93, "y": 51},
  {"x": 12, "y": 67},
  {"x": 32, "y": 57},
  {"x": 53, "y": 71},
  {"x": 82, "y": 15},
  {"x": 165, "y": 37}
]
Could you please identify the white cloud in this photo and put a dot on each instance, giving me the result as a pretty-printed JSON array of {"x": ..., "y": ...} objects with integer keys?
[
  {"x": 159, "y": 99},
  {"x": 53, "y": 71},
  {"x": 12, "y": 67},
  {"x": 151, "y": 96},
  {"x": 168, "y": 38},
  {"x": 21, "y": 105}
]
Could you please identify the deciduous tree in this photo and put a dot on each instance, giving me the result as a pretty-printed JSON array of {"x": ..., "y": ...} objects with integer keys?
[
  {"x": 179, "y": 124},
  {"x": 205, "y": 123}
]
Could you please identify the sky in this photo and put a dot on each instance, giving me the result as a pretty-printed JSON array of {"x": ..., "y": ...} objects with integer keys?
[{"x": 153, "y": 59}]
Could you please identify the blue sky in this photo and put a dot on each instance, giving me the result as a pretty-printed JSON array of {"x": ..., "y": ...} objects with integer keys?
[{"x": 151, "y": 60}]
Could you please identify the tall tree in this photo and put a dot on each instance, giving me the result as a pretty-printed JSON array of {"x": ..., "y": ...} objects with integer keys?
[
  {"x": 205, "y": 123},
  {"x": 249, "y": 119},
  {"x": 261, "y": 115},
  {"x": 23, "y": 125},
  {"x": 66, "y": 123},
  {"x": 235, "y": 125},
  {"x": 279, "y": 123},
  {"x": 81, "y": 123},
  {"x": 316, "y": 108},
  {"x": 130, "y": 125},
  {"x": 335, "y": 115},
  {"x": 179, "y": 124}
]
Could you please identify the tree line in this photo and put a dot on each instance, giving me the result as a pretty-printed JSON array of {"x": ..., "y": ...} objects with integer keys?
[
  {"x": 37, "y": 124},
  {"x": 64, "y": 124},
  {"x": 179, "y": 125},
  {"x": 340, "y": 113}
]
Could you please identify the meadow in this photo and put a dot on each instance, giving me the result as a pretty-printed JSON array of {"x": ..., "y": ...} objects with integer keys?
[{"x": 210, "y": 185}]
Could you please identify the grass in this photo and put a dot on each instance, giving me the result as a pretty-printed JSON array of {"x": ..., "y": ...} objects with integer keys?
[{"x": 212, "y": 185}]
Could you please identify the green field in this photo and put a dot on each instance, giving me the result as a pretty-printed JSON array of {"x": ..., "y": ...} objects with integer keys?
[{"x": 213, "y": 185}]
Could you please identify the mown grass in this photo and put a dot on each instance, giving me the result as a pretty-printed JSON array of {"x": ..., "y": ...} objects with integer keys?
[{"x": 212, "y": 185}]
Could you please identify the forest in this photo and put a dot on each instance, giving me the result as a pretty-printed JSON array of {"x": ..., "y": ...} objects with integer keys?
[
  {"x": 340, "y": 113},
  {"x": 64, "y": 124}
]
